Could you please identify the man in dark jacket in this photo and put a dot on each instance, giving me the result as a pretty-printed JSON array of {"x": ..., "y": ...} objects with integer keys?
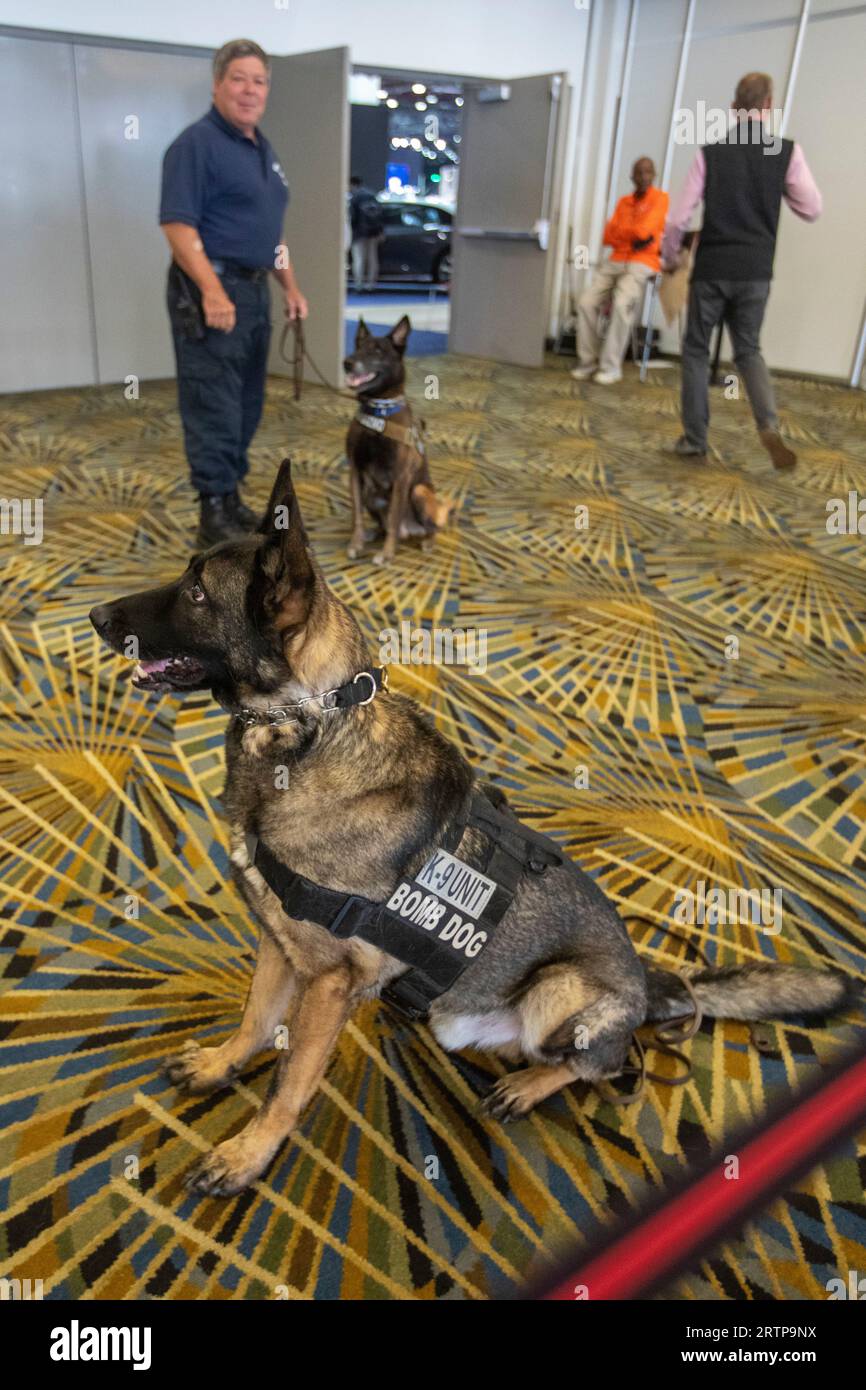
[
  {"x": 367, "y": 221},
  {"x": 742, "y": 181}
]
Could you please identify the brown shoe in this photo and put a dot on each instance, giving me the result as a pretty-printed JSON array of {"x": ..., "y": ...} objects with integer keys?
[{"x": 782, "y": 456}]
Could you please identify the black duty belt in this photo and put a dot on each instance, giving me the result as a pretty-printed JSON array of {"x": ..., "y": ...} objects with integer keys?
[
  {"x": 244, "y": 272},
  {"x": 437, "y": 922}
]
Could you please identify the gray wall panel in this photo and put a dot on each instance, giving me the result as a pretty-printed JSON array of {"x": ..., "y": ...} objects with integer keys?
[
  {"x": 47, "y": 337},
  {"x": 647, "y": 104},
  {"x": 819, "y": 279},
  {"x": 129, "y": 254},
  {"x": 307, "y": 122}
]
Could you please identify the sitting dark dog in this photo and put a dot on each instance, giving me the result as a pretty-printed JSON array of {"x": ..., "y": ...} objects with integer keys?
[
  {"x": 388, "y": 468},
  {"x": 376, "y": 863}
]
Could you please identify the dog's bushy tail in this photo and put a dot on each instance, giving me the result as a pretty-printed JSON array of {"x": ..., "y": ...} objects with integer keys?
[
  {"x": 435, "y": 509},
  {"x": 753, "y": 992}
]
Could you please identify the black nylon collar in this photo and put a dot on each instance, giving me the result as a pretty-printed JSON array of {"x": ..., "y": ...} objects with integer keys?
[{"x": 357, "y": 691}]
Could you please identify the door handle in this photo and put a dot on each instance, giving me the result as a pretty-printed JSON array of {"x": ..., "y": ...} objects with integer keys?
[{"x": 498, "y": 234}]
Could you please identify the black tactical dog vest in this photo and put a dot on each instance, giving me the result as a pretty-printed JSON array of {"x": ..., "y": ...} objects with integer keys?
[{"x": 437, "y": 922}]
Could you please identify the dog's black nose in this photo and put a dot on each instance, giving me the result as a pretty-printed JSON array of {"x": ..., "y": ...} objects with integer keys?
[{"x": 100, "y": 616}]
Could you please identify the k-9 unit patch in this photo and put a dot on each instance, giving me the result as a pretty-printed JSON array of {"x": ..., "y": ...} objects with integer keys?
[
  {"x": 372, "y": 422},
  {"x": 431, "y": 901},
  {"x": 454, "y": 881}
]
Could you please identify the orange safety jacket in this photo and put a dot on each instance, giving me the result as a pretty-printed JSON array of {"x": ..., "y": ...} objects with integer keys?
[{"x": 636, "y": 218}]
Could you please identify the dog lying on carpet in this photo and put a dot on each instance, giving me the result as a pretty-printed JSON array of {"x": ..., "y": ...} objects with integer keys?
[
  {"x": 389, "y": 473},
  {"x": 384, "y": 866}
]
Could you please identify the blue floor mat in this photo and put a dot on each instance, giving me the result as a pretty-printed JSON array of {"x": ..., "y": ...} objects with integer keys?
[{"x": 414, "y": 293}]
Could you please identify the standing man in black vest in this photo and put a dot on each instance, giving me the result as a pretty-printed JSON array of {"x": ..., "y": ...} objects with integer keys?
[
  {"x": 742, "y": 181},
  {"x": 224, "y": 195}
]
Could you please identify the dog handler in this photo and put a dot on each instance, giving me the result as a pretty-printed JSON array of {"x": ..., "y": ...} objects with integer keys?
[{"x": 224, "y": 196}]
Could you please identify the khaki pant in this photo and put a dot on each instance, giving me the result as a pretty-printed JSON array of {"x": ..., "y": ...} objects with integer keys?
[{"x": 622, "y": 284}]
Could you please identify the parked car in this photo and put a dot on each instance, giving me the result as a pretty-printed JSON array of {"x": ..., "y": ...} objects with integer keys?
[{"x": 416, "y": 244}]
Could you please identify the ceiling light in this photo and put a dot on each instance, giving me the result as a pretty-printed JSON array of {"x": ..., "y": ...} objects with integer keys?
[
  {"x": 420, "y": 106},
  {"x": 418, "y": 88},
  {"x": 392, "y": 103},
  {"x": 458, "y": 101}
]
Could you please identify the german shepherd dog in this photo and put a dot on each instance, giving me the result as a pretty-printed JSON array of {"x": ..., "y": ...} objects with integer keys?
[
  {"x": 372, "y": 790},
  {"x": 388, "y": 469}
]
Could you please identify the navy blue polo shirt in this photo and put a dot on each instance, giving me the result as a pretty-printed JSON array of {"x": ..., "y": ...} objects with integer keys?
[{"x": 228, "y": 186}]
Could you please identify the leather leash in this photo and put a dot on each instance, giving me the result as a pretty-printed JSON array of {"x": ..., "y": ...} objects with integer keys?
[
  {"x": 664, "y": 1036},
  {"x": 675, "y": 1031},
  {"x": 299, "y": 355}
]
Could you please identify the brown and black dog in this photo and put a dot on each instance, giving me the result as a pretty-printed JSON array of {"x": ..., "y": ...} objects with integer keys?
[
  {"x": 371, "y": 791},
  {"x": 388, "y": 468}
]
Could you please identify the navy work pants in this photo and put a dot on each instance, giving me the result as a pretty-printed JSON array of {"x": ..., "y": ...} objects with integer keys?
[{"x": 221, "y": 386}]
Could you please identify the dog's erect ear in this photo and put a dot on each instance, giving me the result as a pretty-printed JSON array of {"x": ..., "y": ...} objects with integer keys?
[
  {"x": 285, "y": 566},
  {"x": 282, "y": 495},
  {"x": 362, "y": 333},
  {"x": 400, "y": 332}
]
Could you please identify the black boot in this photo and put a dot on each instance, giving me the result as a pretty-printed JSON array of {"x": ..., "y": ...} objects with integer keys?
[
  {"x": 217, "y": 522},
  {"x": 240, "y": 513}
]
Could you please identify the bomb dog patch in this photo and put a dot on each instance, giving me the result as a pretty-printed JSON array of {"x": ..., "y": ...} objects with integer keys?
[{"x": 446, "y": 898}]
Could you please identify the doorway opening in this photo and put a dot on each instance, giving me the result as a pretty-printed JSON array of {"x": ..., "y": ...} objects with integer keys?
[{"x": 406, "y": 132}]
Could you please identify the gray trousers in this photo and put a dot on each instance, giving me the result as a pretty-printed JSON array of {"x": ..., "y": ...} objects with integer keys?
[
  {"x": 741, "y": 304},
  {"x": 365, "y": 261}
]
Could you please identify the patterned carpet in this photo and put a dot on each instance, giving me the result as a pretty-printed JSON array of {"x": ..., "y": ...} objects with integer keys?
[{"x": 608, "y": 648}]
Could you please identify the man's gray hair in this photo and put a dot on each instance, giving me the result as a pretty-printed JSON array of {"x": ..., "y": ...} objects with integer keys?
[{"x": 238, "y": 48}]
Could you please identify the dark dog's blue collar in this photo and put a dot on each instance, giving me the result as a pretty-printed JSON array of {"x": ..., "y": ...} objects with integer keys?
[{"x": 382, "y": 406}]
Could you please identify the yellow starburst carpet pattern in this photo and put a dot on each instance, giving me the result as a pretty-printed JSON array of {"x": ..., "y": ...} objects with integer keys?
[{"x": 674, "y": 688}]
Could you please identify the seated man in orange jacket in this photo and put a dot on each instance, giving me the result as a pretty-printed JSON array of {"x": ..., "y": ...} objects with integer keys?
[{"x": 635, "y": 235}]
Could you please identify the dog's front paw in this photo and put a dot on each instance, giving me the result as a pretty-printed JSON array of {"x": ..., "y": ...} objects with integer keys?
[
  {"x": 198, "y": 1070},
  {"x": 231, "y": 1166},
  {"x": 354, "y": 548},
  {"x": 383, "y": 557},
  {"x": 512, "y": 1097}
]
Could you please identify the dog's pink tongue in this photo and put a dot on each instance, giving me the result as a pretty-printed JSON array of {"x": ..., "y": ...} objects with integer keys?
[{"x": 151, "y": 668}]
